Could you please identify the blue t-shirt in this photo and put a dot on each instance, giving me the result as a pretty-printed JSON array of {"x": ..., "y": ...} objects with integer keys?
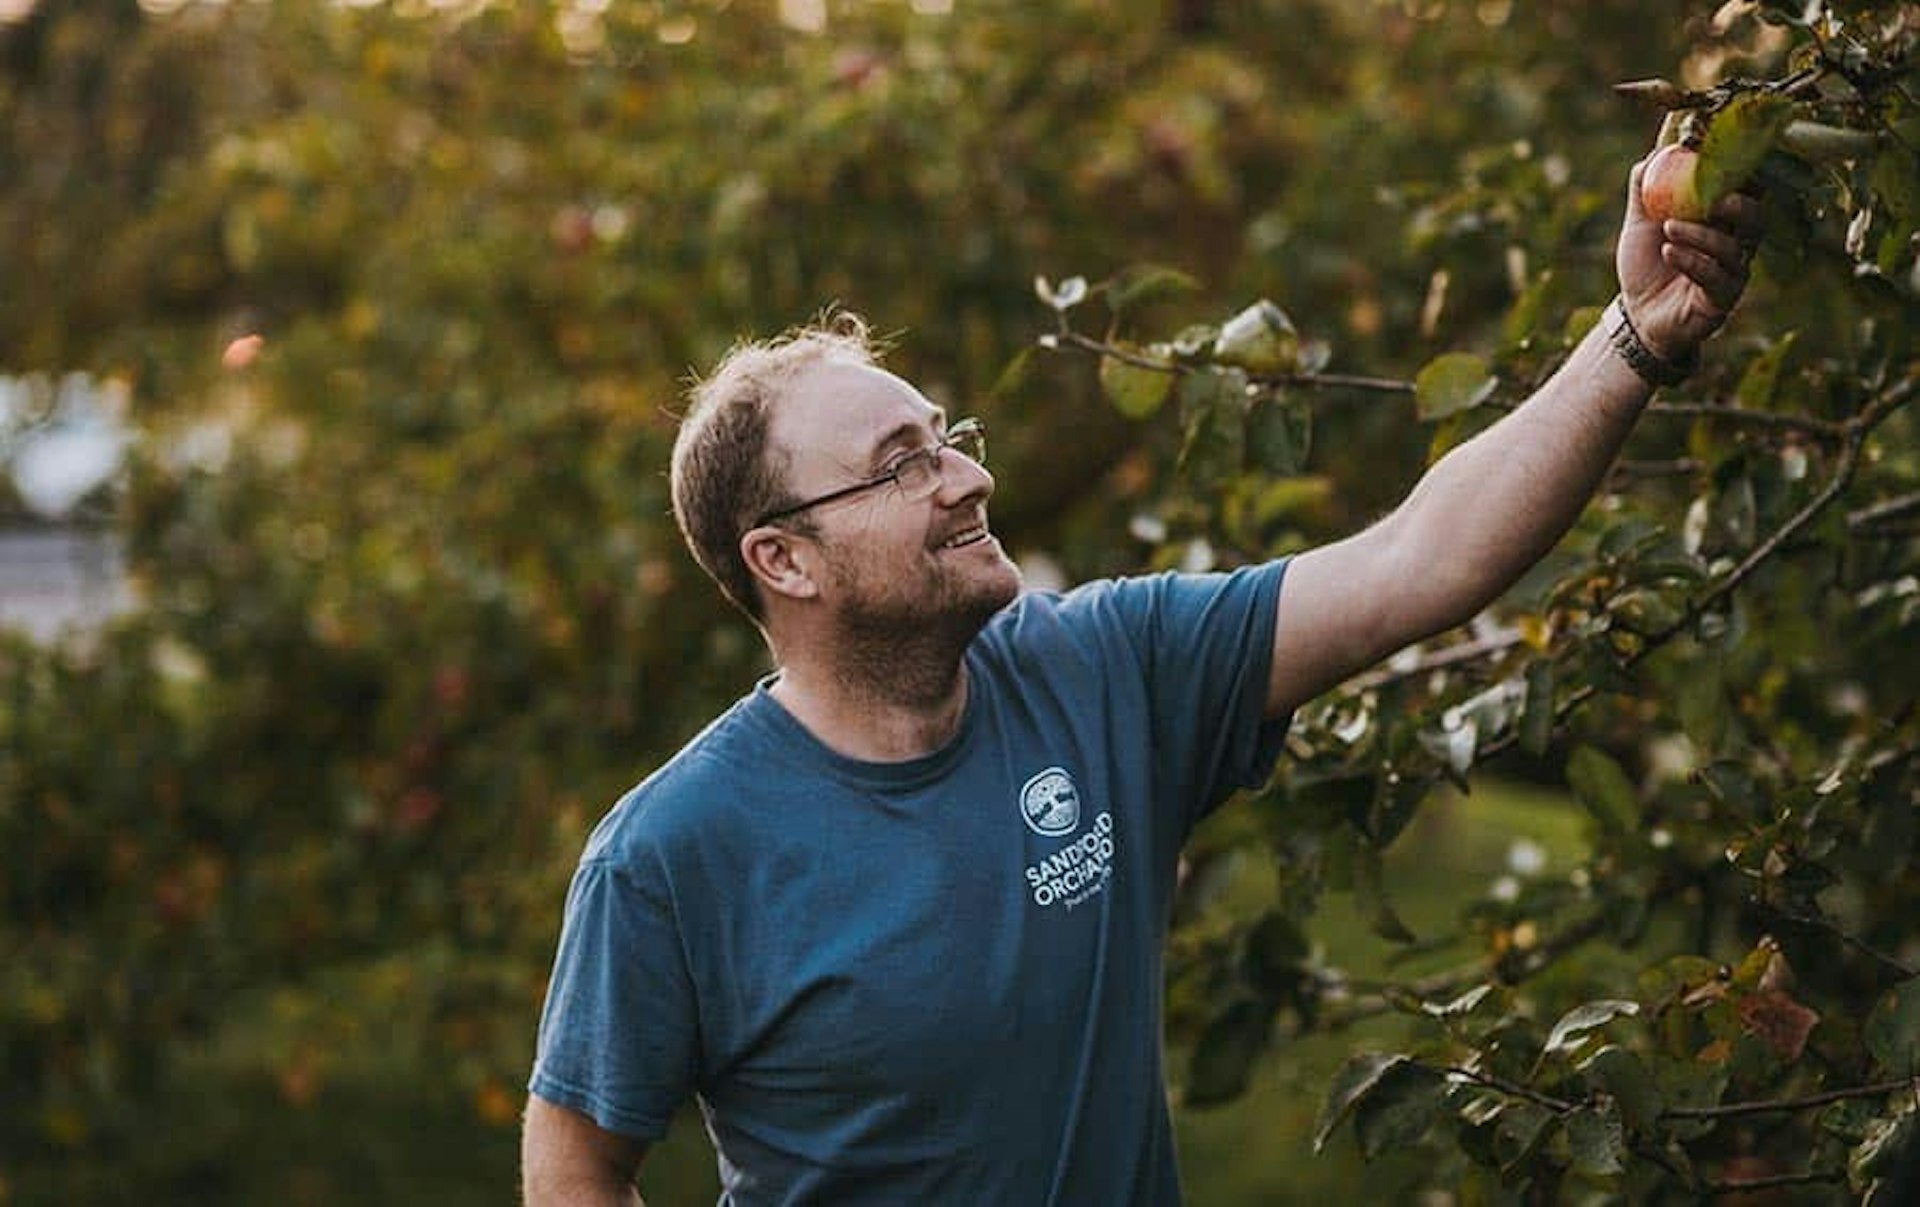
[{"x": 934, "y": 981}]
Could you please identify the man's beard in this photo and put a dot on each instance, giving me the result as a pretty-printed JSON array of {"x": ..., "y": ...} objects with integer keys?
[{"x": 908, "y": 644}]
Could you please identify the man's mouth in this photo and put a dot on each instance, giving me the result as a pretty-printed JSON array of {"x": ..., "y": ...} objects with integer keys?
[{"x": 966, "y": 536}]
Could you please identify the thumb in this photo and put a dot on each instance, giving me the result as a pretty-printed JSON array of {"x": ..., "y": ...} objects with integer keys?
[{"x": 1635, "y": 211}]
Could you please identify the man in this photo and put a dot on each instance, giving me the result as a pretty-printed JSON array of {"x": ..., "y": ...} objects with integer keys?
[{"x": 895, "y": 919}]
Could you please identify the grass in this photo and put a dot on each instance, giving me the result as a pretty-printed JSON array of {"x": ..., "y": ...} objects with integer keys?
[{"x": 1259, "y": 1149}]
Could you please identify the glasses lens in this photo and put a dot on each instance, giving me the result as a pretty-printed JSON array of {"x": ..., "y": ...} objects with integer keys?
[
  {"x": 969, "y": 439},
  {"x": 917, "y": 475}
]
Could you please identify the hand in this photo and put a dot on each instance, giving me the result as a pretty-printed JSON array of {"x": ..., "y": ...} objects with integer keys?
[{"x": 1679, "y": 280}]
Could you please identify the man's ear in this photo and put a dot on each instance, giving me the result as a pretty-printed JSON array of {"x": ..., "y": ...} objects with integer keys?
[{"x": 779, "y": 560}]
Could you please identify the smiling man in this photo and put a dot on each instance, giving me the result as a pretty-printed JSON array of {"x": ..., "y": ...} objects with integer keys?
[{"x": 895, "y": 919}]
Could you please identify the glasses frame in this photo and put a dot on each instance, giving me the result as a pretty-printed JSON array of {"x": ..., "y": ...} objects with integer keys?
[{"x": 971, "y": 431}]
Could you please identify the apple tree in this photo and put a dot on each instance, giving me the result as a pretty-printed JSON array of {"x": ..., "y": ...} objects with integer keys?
[{"x": 1719, "y": 665}]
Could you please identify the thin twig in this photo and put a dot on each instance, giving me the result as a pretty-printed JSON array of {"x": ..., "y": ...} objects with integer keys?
[
  {"x": 1394, "y": 671},
  {"x": 1067, "y": 337},
  {"x": 1672, "y": 468},
  {"x": 1828, "y": 429},
  {"x": 1851, "y": 940},
  {"x": 1338, "y": 381},
  {"x": 1556, "y": 1105},
  {"x": 1736, "y": 1110},
  {"x": 1451, "y": 982},
  {"x": 1858, "y": 429},
  {"x": 1807, "y": 1178},
  {"x": 1898, "y": 507}
]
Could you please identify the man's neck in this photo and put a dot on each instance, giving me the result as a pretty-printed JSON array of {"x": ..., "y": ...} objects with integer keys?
[{"x": 912, "y": 712}]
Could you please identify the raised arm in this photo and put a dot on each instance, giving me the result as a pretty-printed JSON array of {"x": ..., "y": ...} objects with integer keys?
[
  {"x": 1491, "y": 508},
  {"x": 566, "y": 1160}
]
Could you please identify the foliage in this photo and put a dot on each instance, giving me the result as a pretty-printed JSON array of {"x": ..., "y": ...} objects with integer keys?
[
  {"x": 1719, "y": 663},
  {"x": 413, "y": 611}
]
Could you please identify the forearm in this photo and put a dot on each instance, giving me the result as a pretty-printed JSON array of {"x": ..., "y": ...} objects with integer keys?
[{"x": 1491, "y": 508}]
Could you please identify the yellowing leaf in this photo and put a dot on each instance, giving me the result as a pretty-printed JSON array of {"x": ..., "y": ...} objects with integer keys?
[{"x": 1736, "y": 142}]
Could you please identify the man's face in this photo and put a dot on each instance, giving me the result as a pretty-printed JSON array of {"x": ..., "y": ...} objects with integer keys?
[{"x": 894, "y": 566}]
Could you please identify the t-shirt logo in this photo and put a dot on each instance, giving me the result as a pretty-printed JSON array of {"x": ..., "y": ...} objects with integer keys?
[{"x": 1050, "y": 803}]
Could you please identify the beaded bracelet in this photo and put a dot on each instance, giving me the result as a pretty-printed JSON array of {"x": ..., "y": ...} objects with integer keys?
[{"x": 1654, "y": 369}]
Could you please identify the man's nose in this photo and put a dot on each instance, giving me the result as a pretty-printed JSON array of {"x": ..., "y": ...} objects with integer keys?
[{"x": 961, "y": 477}]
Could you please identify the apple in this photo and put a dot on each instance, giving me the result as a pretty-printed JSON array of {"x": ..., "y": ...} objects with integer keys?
[
  {"x": 1670, "y": 187},
  {"x": 243, "y": 351}
]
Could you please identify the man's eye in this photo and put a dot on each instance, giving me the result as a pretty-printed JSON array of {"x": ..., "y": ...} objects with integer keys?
[{"x": 894, "y": 465}]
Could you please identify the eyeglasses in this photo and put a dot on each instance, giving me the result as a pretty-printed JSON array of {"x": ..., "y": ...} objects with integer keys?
[{"x": 917, "y": 474}]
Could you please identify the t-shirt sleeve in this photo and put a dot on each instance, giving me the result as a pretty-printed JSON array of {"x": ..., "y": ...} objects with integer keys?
[
  {"x": 1207, "y": 645},
  {"x": 618, "y": 1037}
]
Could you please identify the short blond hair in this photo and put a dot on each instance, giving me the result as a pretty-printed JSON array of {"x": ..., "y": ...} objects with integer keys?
[{"x": 724, "y": 476}]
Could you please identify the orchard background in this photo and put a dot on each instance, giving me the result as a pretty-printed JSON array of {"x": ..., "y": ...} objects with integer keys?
[{"x": 1608, "y": 897}]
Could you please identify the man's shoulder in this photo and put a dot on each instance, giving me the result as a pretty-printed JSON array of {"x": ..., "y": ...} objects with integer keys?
[{"x": 686, "y": 796}]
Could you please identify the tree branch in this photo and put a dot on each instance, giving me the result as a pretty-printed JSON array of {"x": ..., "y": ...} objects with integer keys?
[
  {"x": 1069, "y": 338},
  {"x": 1858, "y": 429},
  {"x": 1736, "y": 1110},
  {"x": 1826, "y": 429},
  {"x": 1854, "y": 941},
  {"x": 1874, "y": 514},
  {"x": 1512, "y": 1090},
  {"x": 1397, "y": 670},
  {"x": 1451, "y": 982},
  {"x": 1807, "y": 1178}
]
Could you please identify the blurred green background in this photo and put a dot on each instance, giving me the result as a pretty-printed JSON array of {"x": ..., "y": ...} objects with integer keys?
[{"x": 397, "y": 606}]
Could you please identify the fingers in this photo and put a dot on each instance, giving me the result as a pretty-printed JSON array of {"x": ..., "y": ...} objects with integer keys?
[
  {"x": 1743, "y": 216},
  {"x": 1722, "y": 278},
  {"x": 1717, "y": 256}
]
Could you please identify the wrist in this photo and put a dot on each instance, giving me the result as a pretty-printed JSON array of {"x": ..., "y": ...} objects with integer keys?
[{"x": 1654, "y": 368}]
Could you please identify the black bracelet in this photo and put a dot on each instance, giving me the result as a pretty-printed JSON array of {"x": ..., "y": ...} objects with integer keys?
[{"x": 1654, "y": 369}]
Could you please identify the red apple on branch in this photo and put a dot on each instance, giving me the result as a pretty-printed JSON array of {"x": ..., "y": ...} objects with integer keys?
[{"x": 1670, "y": 187}]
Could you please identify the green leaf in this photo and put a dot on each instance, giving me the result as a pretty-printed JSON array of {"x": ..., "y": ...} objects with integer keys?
[
  {"x": 1398, "y": 1111},
  {"x": 1887, "y": 1142},
  {"x": 1522, "y": 1128},
  {"x": 1370, "y": 893},
  {"x": 1275, "y": 953},
  {"x": 1460, "y": 1006},
  {"x": 1571, "y": 1031},
  {"x": 1738, "y": 140},
  {"x": 1642, "y": 610},
  {"x": 1457, "y": 381},
  {"x": 1223, "y": 1059},
  {"x": 1536, "y": 722},
  {"x": 1260, "y": 339},
  {"x": 1893, "y": 1030},
  {"x": 1623, "y": 1075},
  {"x": 1597, "y": 1141},
  {"x": 1216, "y": 446},
  {"x": 1604, "y": 789},
  {"x": 1355, "y": 1080},
  {"x": 1015, "y": 374},
  {"x": 1135, "y": 390},
  {"x": 1280, "y": 433},
  {"x": 1206, "y": 390},
  {"x": 1143, "y": 284},
  {"x": 1760, "y": 384},
  {"x": 1896, "y": 182}
]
